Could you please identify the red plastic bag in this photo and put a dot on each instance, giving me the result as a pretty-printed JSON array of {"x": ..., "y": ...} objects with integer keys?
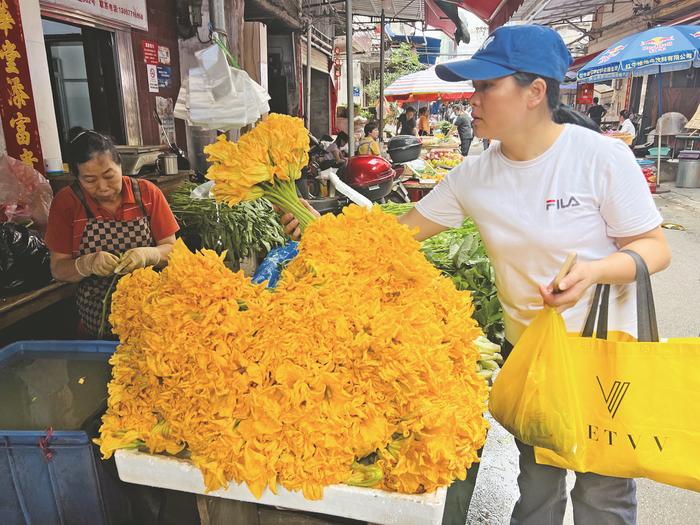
[{"x": 24, "y": 193}]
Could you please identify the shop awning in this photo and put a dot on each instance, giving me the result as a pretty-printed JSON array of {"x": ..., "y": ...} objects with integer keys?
[
  {"x": 549, "y": 12},
  {"x": 284, "y": 14},
  {"x": 435, "y": 18},
  {"x": 582, "y": 61},
  {"x": 494, "y": 12},
  {"x": 428, "y": 48},
  {"x": 405, "y": 10}
]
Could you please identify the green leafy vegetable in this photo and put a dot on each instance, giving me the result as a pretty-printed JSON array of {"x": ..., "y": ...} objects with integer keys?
[{"x": 249, "y": 228}]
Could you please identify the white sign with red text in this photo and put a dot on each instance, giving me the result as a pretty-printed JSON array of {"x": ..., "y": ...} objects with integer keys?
[{"x": 130, "y": 12}]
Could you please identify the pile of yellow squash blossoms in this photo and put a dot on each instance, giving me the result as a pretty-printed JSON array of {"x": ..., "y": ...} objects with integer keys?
[{"x": 359, "y": 368}]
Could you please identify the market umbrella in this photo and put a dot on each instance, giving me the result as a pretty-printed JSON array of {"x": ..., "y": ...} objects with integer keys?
[
  {"x": 425, "y": 85},
  {"x": 652, "y": 52},
  {"x": 656, "y": 50}
]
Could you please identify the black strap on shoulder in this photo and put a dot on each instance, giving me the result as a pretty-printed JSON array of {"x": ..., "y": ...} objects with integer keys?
[
  {"x": 81, "y": 197},
  {"x": 136, "y": 189}
]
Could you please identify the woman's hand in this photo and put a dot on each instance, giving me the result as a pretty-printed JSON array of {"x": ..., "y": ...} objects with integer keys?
[
  {"x": 100, "y": 263},
  {"x": 572, "y": 287},
  {"x": 291, "y": 224},
  {"x": 137, "y": 258}
]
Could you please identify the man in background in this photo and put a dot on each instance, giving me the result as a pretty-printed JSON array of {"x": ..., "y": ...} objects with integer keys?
[
  {"x": 463, "y": 122},
  {"x": 596, "y": 112}
]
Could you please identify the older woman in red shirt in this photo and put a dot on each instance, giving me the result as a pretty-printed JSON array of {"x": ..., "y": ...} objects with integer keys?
[{"x": 105, "y": 224}]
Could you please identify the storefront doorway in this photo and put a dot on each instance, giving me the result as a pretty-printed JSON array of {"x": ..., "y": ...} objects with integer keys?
[{"x": 83, "y": 67}]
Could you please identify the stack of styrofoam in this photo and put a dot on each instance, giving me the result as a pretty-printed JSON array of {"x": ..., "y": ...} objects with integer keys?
[
  {"x": 217, "y": 96},
  {"x": 371, "y": 505}
]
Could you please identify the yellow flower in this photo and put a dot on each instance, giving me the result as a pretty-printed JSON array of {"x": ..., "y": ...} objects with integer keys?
[{"x": 294, "y": 387}]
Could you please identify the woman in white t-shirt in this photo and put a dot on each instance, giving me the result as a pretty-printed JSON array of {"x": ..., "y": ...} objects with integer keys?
[
  {"x": 542, "y": 190},
  {"x": 626, "y": 125}
]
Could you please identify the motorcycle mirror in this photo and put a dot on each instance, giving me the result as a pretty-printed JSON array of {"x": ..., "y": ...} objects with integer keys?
[{"x": 314, "y": 139}]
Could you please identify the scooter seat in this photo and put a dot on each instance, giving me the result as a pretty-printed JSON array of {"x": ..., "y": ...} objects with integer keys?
[{"x": 326, "y": 205}]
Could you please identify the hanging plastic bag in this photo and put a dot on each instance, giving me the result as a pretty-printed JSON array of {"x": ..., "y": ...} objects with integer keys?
[
  {"x": 638, "y": 401},
  {"x": 25, "y": 194},
  {"x": 533, "y": 396}
]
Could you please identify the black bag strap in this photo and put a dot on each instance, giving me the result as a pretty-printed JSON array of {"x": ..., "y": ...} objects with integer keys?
[
  {"x": 75, "y": 186},
  {"x": 647, "y": 328},
  {"x": 599, "y": 309},
  {"x": 136, "y": 189}
]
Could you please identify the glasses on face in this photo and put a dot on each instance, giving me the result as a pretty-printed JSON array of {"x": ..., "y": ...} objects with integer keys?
[{"x": 86, "y": 132}]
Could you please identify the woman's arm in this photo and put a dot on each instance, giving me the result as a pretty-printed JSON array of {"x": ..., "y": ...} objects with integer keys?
[
  {"x": 165, "y": 246},
  {"x": 617, "y": 268},
  {"x": 426, "y": 228},
  {"x": 63, "y": 268}
]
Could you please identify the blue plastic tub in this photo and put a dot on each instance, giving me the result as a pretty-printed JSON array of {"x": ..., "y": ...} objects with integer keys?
[{"x": 60, "y": 480}]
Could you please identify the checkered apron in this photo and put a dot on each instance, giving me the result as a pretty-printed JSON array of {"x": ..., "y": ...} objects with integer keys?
[{"x": 112, "y": 236}]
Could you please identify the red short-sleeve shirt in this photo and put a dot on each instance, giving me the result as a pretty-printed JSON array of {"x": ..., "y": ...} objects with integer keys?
[{"x": 67, "y": 218}]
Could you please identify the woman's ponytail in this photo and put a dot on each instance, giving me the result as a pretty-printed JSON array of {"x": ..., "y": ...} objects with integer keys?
[
  {"x": 561, "y": 113},
  {"x": 564, "y": 114}
]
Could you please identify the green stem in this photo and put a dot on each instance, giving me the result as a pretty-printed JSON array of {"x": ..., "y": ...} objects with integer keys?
[
  {"x": 284, "y": 195},
  {"x": 105, "y": 302}
]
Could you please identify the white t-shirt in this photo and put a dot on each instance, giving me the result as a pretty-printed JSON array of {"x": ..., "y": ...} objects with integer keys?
[
  {"x": 628, "y": 127},
  {"x": 579, "y": 195}
]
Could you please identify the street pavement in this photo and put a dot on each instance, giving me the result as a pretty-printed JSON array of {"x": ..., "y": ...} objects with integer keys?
[{"x": 677, "y": 298}]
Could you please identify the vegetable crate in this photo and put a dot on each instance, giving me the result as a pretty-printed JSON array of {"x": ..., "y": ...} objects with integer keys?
[{"x": 370, "y": 505}]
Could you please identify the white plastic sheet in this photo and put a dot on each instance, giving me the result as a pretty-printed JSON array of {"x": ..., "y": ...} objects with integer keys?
[{"x": 216, "y": 96}]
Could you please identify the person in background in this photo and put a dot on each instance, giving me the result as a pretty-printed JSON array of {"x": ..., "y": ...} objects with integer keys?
[
  {"x": 407, "y": 122},
  {"x": 104, "y": 225},
  {"x": 596, "y": 112},
  {"x": 369, "y": 145},
  {"x": 423, "y": 122},
  {"x": 626, "y": 125},
  {"x": 463, "y": 123},
  {"x": 334, "y": 156}
]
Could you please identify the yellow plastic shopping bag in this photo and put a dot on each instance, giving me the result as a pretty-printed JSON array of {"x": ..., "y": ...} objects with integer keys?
[
  {"x": 534, "y": 396},
  {"x": 635, "y": 405}
]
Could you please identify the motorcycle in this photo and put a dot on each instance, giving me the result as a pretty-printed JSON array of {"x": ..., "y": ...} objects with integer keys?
[{"x": 370, "y": 176}]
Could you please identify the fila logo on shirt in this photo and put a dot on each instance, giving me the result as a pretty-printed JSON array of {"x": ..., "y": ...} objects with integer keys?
[{"x": 561, "y": 204}]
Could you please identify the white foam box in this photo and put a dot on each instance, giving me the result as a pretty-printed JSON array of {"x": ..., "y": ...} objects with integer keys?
[{"x": 371, "y": 505}]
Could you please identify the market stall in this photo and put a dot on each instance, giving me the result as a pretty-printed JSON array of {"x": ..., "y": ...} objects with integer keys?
[
  {"x": 224, "y": 388},
  {"x": 297, "y": 427},
  {"x": 654, "y": 51}
]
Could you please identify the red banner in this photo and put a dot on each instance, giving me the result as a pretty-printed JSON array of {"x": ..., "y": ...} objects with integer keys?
[
  {"x": 584, "y": 94},
  {"x": 16, "y": 105}
]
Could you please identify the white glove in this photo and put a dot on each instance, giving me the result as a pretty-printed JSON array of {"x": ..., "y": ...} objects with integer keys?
[
  {"x": 96, "y": 263},
  {"x": 137, "y": 258}
]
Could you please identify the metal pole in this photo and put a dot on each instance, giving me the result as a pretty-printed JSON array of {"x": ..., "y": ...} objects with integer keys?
[
  {"x": 307, "y": 102},
  {"x": 348, "y": 75},
  {"x": 659, "y": 86},
  {"x": 217, "y": 15},
  {"x": 381, "y": 78}
]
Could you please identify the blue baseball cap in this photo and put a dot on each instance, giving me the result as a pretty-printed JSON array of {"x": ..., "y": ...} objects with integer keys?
[{"x": 527, "y": 48}]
